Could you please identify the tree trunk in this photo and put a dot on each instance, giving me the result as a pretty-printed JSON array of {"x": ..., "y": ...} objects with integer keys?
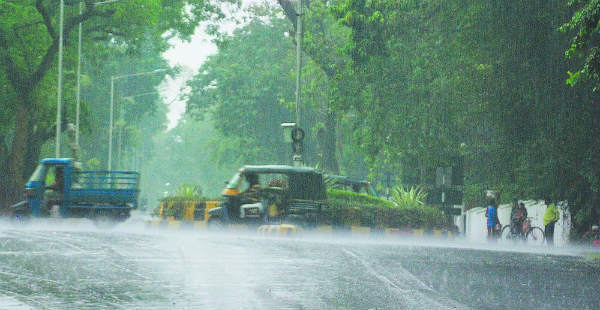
[
  {"x": 34, "y": 148},
  {"x": 330, "y": 163},
  {"x": 15, "y": 180}
]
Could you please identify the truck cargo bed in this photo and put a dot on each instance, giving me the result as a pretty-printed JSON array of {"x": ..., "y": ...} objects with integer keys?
[{"x": 104, "y": 188}]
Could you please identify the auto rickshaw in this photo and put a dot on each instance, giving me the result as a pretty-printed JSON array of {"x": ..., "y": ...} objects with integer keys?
[{"x": 272, "y": 194}]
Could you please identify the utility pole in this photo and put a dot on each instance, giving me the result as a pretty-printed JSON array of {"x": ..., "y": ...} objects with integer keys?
[
  {"x": 297, "y": 144},
  {"x": 78, "y": 78},
  {"x": 110, "y": 126},
  {"x": 112, "y": 104},
  {"x": 60, "y": 61},
  {"x": 78, "y": 108},
  {"x": 120, "y": 136},
  {"x": 298, "y": 61}
]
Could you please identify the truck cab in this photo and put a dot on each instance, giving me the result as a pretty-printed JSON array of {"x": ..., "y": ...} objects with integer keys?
[{"x": 58, "y": 187}]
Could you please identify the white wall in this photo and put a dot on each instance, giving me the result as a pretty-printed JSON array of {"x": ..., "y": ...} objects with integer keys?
[{"x": 476, "y": 222}]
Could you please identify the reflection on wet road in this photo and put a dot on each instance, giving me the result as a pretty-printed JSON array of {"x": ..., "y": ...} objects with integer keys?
[{"x": 85, "y": 268}]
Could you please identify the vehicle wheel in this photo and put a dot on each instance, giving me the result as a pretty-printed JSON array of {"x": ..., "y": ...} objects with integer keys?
[
  {"x": 506, "y": 234},
  {"x": 592, "y": 239},
  {"x": 215, "y": 224},
  {"x": 20, "y": 219},
  {"x": 535, "y": 236},
  {"x": 104, "y": 220}
]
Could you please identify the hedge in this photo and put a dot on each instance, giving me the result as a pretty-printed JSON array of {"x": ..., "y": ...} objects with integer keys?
[{"x": 345, "y": 208}]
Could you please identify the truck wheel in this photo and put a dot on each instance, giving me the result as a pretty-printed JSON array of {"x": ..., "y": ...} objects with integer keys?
[
  {"x": 104, "y": 220},
  {"x": 215, "y": 224}
]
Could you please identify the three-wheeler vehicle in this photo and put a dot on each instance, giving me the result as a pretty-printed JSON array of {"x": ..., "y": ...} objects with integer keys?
[
  {"x": 59, "y": 188},
  {"x": 272, "y": 194}
]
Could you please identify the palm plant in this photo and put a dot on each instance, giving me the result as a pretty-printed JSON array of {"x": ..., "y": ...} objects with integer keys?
[
  {"x": 413, "y": 197},
  {"x": 188, "y": 191}
]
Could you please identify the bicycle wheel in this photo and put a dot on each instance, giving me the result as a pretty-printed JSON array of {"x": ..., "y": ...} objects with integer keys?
[
  {"x": 506, "y": 234},
  {"x": 535, "y": 236}
]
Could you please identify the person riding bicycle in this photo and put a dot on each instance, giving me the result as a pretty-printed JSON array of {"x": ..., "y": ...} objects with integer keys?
[{"x": 518, "y": 216}]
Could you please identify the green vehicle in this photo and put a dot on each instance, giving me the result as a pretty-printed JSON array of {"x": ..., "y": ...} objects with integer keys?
[{"x": 272, "y": 194}]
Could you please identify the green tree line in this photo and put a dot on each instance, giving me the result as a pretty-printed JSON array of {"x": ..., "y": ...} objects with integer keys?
[
  {"x": 404, "y": 87},
  {"x": 119, "y": 37}
]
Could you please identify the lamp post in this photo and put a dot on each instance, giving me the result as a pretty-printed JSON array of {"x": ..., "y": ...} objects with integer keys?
[
  {"x": 112, "y": 106},
  {"x": 297, "y": 134},
  {"x": 298, "y": 61},
  {"x": 78, "y": 108},
  {"x": 60, "y": 61}
]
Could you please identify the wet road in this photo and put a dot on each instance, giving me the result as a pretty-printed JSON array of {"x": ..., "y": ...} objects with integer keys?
[{"x": 65, "y": 267}]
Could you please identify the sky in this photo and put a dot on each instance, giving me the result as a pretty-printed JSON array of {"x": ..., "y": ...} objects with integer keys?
[{"x": 189, "y": 56}]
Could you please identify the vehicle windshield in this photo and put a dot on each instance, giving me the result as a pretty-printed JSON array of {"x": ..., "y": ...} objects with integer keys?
[
  {"x": 234, "y": 183},
  {"x": 38, "y": 174}
]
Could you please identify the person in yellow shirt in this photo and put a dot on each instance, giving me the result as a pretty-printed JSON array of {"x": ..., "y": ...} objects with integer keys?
[{"x": 550, "y": 218}]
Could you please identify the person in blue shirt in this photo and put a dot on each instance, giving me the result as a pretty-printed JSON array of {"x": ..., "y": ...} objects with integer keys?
[{"x": 492, "y": 216}]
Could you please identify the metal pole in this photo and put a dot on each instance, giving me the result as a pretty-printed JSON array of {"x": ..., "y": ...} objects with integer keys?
[
  {"x": 120, "y": 136},
  {"x": 60, "y": 60},
  {"x": 298, "y": 61},
  {"x": 78, "y": 78},
  {"x": 110, "y": 128},
  {"x": 112, "y": 106}
]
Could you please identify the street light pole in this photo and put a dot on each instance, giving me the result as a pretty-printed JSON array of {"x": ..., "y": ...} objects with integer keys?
[
  {"x": 298, "y": 61},
  {"x": 60, "y": 61},
  {"x": 110, "y": 128},
  {"x": 78, "y": 108},
  {"x": 78, "y": 78},
  {"x": 112, "y": 107}
]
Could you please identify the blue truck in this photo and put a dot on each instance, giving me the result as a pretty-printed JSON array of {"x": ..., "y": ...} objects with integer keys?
[{"x": 58, "y": 187}]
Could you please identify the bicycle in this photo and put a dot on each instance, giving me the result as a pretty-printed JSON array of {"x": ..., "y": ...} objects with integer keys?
[
  {"x": 592, "y": 237},
  {"x": 530, "y": 234}
]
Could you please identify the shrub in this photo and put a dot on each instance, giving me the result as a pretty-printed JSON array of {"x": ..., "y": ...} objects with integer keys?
[
  {"x": 346, "y": 208},
  {"x": 185, "y": 193},
  {"x": 409, "y": 198}
]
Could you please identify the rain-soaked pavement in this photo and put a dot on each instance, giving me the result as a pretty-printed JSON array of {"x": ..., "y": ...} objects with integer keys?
[{"x": 49, "y": 266}]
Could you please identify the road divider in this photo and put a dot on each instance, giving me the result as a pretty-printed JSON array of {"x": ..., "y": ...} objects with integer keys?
[
  {"x": 292, "y": 230},
  {"x": 278, "y": 230}
]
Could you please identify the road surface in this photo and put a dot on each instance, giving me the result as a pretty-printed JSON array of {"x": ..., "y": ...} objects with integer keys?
[{"x": 50, "y": 266}]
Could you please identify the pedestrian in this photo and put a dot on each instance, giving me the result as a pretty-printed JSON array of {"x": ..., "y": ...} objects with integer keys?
[
  {"x": 492, "y": 216},
  {"x": 550, "y": 218}
]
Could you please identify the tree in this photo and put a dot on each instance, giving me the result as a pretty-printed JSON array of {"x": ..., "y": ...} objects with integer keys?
[
  {"x": 29, "y": 40},
  {"x": 585, "y": 22},
  {"x": 246, "y": 89}
]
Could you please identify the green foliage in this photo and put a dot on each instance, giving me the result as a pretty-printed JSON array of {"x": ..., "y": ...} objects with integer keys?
[
  {"x": 356, "y": 199},
  {"x": 185, "y": 155},
  {"x": 413, "y": 197},
  {"x": 345, "y": 208},
  {"x": 584, "y": 44},
  {"x": 188, "y": 192},
  {"x": 241, "y": 88},
  {"x": 119, "y": 38},
  {"x": 93, "y": 164},
  {"x": 474, "y": 196}
]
